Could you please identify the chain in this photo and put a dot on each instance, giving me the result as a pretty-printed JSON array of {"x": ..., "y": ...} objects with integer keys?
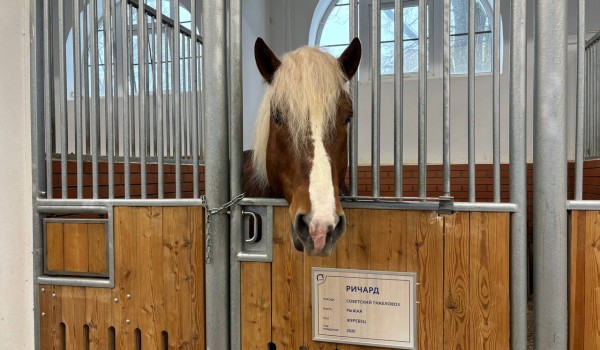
[{"x": 209, "y": 212}]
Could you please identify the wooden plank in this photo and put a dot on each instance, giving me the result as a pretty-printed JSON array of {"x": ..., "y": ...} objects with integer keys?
[
  {"x": 197, "y": 278},
  {"x": 256, "y": 305},
  {"x": 309, "y": 263},
  {"x": 97, "y": 248},
  {"x": 124, "y": 310},
  {"x": 426, "y": 251},
  {"x": 73, "y": 311},
  {"x": 54, "y": 246},
  {"x": 287, "y": 284},
  {"x": 75, "y": 247},
  {"x": 98, "y": 316},
  {"x": 502, "y": 279},
  {"x": 51, "y": 308},
  {"x": 185, "y": 281},
  {"x": 456, "y": 282},
  {"x": 483, "y": 279},
  {"x": 388, "y": 237},
  {"x": 150, "y": 277},
  {"x": 592, "y": 283},
  {"x": 577, "y": 294}
]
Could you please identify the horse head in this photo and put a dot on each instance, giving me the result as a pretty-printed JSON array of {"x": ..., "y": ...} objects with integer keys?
[{"x": 300, "y": 149}]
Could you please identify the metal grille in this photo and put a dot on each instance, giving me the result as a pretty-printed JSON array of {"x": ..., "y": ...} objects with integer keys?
[
  {"x": 122, "y": 100},
  {"x": 591, "y": 146}
]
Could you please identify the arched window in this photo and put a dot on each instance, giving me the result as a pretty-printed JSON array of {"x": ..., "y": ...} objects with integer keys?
[
  {"x": 331, "y": 26},
  {"x": 185, "y": 19}
]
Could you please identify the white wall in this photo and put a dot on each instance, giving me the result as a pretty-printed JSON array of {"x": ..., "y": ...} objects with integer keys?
[
  {"x": 16, "y": 286},
  {"x": 290, "y": 25}
]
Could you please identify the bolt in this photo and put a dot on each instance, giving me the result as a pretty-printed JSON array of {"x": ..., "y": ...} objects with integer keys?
[
  {"x": 43, "y": 314},
  {"x": 43, "y": 290},
  {"x": 127, "y": 321},
  {"x": 128, "y": 296},
  {"x": 115, "y": 300},
  {"x": 53, "y": 295}
]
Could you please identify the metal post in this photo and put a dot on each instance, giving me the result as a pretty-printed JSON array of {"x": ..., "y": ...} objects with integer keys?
[
  {"x": 496, "y": 100},
  {"x": 159, "y": 96},
  {"x": 353, "y": 143},
  {"x": 214, "y": 70},
  {"x": 398, "y": 96},
  {"x": 518, "y": 175},
  {"x": 126, "y": 92},
  {"x": 446, "y": 98},
  {"x": 78, "y": 97},
  {"x": 375, "y": 93},
  {"x": 580, "y": 100},
  {"x": 471, "y": 101},
  {"x": 236, "y": 138},
  {"x": 194, "y": 101},
  {"x": 108, "y": 84},
  {"x": 550, "y": 176},
  {"x": 176, "y": 97},
  {"x": 94, "y": 117},
  {"x": 141, "y": 30},
  {"x": 48, "y": 112},
  {"x": 62, "y": 94},
  {"x": 422, "y": 98}
]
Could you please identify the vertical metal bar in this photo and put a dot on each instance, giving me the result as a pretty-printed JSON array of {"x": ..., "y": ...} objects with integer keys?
[
  {"x": 94, "y": 98},
  {"x": 153, "y": 129},
  {"x": 62, "y": 93},
  {"x": 48, "y": 111},
  {"x": 580, "y": 100},
  {"x": 183, "y": 76},
  {"x": 398, "y": 96},
  {"x": 496, "y": 100},
  {"x": 177, "y": 95},
  {"x": 133, "y": 136},
  {"x": 199, "y": 97},
  {"x": 422, "y": 119},
  {"x": 550, "y": 192},
  {"x": 108, "y": 80},
  {"x": 217, "y": 186},
  {"x": 353, "y": 143},
  {"x": 518, "y": 174},
  {"x": 375, "y": 94},
  {"x": 78, "y": 90},
  {"x": 236, "y": 136},
  {"x": 86, "y": 79},
  {"x": 193, "y": 85},
  {"x": 142, "y": 53},
  {"x": 471, "y": 101},
  {"x": 446, "y": 98},
  {"x": 596, "y": 137},
  {"x": 159, "y": 97},
  {"x": 126, "y": 92}
]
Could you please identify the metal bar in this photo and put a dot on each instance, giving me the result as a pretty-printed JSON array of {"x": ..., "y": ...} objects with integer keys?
[
  {"x": 94, "y": 98},
  {"x": 236, "y": 130},
  {"x": 198, "y": 96},
  {"x": 78, "y": 97},
  {"x": 214, "y": 70},
  {"x": 375, "y": 94},
  {"x": 580, "y": 100},
  {"x": 398, "y": 96},
  {"x": 183, "y": 76},
  {"x": 518, "y": 174},
  {"x": 86, "y": 80},
  {"x": 422, "y": 117},
  {"x": 62, "y": 93},
  {"x": 446, "y": 98},
  {"x": 583, "y": 205},
  {"x": 81, "y": 205},
  {"x": 471, "y": 101},
  {"x": 142, "y": 53},
  {"x": 153, "y": 129},
  {"x": 353, "y": 143},
  {"x": 132, "y": 83},
  {"x": 150, "y": 11},
  {"x": 176, "y": 96},
  {"x": 108, "y": 80},
  {"x": 126, "y": 93},
  {"x": 550, "y": 192},
  {"x": 192, "y": 92},
  {"x": 496, "y": 100},
  {"x": 159, "y": 105},
  {"x": 76, "y": 281},
  {"x": 48, "y": 111}
]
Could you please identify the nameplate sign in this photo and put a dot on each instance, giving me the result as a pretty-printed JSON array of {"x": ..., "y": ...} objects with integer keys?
[{"x": 372, "y": 308}]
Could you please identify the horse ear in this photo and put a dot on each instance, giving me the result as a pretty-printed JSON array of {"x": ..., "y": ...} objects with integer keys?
[
  {"x": 350, "y": 58},
  {"x": 266, "y": 61}
]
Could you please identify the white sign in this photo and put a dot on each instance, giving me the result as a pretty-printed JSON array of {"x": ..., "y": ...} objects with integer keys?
[{"x": 373, "y": 308}]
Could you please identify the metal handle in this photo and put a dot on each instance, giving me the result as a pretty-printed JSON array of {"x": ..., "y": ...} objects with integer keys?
[{"x": 254, "y": 236}]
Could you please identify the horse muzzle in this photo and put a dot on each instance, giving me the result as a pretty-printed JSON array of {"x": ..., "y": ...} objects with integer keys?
[{"x": 317, "y": 235}]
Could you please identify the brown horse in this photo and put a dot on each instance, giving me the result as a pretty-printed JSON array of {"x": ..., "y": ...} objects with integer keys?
[{"x": 300, "y": 147}]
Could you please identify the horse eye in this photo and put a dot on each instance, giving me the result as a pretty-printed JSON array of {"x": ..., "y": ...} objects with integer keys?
[
  {"x": 277, "y": 119},
  {"x": 348, "y": 119}
]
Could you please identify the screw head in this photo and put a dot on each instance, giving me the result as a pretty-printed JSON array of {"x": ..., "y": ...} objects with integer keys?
[
  {"x": 128, "y": 296},
  {"x": 43, "y": 314},
  {"x": 116, "y": 300},
  {"x": 128, "y": 321},
  {"x": 43, "y": 290},
  {"x": 53, "y": 295}
]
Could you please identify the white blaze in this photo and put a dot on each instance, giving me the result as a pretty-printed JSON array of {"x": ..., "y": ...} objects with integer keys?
[{"x": 320, "y": 190}]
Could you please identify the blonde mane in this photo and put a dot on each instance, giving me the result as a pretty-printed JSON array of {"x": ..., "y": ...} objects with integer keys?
[{"x": 305, "y": 89}]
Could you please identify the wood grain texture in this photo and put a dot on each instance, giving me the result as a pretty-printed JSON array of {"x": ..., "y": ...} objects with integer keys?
[
  {"x": 51, "y": 306},
  {"x": 98, "y": 316},
  {"x": 502, "y": 279},
  {"x": 97, "y": 249},
  {"x": 287, "y": 286},
  {"x": 76, "y": 247},
  {"x": 592, "y": 283},
  {"x": 54, "y": 246},
  {"x": 426, "y": 258},
  {"x": 457, "y": 278},
  {"x": 256, "y": 305},
  {"x": 197, "y": 278},
  {"x": 73, "y": 312},
  {"x": 577, "y": 295}
]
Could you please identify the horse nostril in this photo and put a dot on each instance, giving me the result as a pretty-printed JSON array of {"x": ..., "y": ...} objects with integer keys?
[{"x": 302, "y": 226}]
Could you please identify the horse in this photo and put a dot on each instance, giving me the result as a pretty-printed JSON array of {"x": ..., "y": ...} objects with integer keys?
[{"x": 300, "y": 142}]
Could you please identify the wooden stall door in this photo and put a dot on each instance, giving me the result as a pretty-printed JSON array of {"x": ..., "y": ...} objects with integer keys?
[
  {"x": 158, "y": 299},
  {"x": 461, "y": 263}
]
